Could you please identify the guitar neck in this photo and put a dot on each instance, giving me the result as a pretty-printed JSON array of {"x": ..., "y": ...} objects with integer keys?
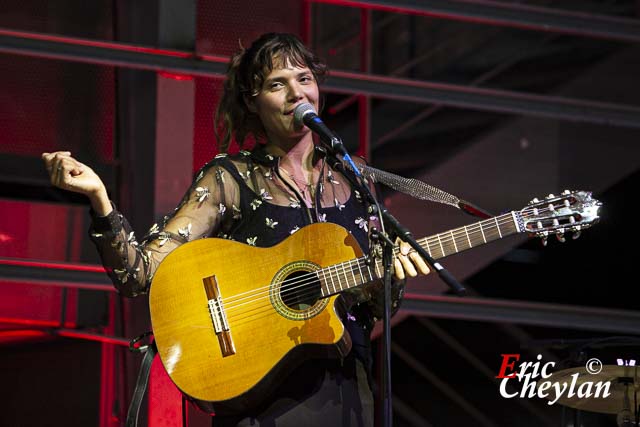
[{"x": 339, "y": 277}]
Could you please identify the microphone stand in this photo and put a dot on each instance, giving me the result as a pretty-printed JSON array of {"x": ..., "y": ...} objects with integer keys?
[{"x": 352, "y": 174}]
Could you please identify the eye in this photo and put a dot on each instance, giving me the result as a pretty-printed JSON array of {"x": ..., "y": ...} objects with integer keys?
[
  {"x": 306, "y": 79},
  {"x": 275, "y": 85}
]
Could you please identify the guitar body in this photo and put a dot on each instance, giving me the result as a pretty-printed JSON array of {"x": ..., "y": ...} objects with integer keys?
[{"x": 267, "y": 331}]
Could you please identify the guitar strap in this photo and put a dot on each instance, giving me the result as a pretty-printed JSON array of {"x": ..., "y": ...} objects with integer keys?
[
  {"x": 421, "y": 190},
  {"x": 143, "y": 379}
]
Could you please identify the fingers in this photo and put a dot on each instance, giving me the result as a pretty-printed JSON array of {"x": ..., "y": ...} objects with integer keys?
[
  {"x": 397, "y": 268},
  {"x": 76, "y": 168},
  {"x": 57, "y": 169},
  {"x": 407, "y": 265},
  {"x": 49, "y": 158},
  {"x": 417, "y": 260},
  {"x": 402, "y": 265},
  {"x": 408, "y": 262},
  {"x": 59, "y": 165}
]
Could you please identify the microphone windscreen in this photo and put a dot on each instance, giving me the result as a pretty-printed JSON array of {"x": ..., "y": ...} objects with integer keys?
[{"x": 302, "y": 110}]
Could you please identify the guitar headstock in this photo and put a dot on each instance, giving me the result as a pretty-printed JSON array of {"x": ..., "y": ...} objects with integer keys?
[{"x": 571, "y": 211}]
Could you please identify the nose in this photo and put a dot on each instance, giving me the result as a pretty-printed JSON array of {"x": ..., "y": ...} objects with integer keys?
[{"x": 295, "y": 92}]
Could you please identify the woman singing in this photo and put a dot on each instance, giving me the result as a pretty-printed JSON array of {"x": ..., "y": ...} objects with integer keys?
[{"x": 259, "y": 198}]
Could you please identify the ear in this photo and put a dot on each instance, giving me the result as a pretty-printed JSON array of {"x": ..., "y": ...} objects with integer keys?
[{"x": 249, "y": 101}]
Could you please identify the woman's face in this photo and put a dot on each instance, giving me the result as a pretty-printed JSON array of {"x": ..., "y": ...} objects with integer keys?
[{"x": 283, "y": 90}]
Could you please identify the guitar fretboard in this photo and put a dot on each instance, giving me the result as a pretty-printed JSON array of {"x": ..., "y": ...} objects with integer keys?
[{"x": 339, "y": 277}]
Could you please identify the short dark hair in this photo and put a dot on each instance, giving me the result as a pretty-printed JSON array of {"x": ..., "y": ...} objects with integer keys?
[{"x": 245, "y": 76}]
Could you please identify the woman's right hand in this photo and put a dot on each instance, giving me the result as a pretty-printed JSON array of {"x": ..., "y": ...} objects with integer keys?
[{"x": 69, "y": 174}]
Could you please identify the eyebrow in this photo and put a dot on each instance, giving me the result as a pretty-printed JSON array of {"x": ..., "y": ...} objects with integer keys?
[{"x": 301, "y": 73}]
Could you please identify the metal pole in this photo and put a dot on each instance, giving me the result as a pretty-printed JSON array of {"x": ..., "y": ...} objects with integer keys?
[
  {"x": 131, "y": 56},
  {"x": 521, "y": 312},
  {"x": 509, "y": 15}
]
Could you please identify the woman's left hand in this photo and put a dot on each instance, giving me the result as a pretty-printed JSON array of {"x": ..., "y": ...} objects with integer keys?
[{"x": 408, "y": 262}]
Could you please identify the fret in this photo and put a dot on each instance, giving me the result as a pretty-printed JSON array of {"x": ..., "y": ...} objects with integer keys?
[
  {"x": 482, "y": 231},
  {"x": 355, "y": 281},
  {"x": 428, "y": 250},
  {"x": 368, "y": 264},
  {"x": 333, "y": 284},
  {"x": 432, "y": 252},
  {"x": 378, "y": 269},
  {"x": 362, "y": 279},
  {"x": 338, "y": 279},
  {"x": 323, "y": 281},
  {"x": 349, "y": 268},
  {"x": 441, "y": 247},
  {"x": 344, "y": 272},
  {"x": 346, "y": 275},
  {"x": 459, "y": 240},
  {"x": 334, "y": 275},
  {"x": 468, "y": 238},
  {"x": 455, "y": 246}
]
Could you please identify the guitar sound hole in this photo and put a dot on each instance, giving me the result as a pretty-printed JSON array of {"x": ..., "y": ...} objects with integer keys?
[{"x": 300, "y": 290}]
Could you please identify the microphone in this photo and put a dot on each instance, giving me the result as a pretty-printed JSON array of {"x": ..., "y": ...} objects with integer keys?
[{"x": 304, "y": 114}]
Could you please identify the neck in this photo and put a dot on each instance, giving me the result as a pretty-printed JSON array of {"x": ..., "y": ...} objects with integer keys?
[{"x": 297, "y": 157}]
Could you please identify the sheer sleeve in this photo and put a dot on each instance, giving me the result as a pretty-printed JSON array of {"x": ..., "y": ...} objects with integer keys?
[{"x": 131, "y": 263}]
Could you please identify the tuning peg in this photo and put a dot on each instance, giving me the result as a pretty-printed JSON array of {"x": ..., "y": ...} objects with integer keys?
[
  {"x": 544, "y": 235},
  {"x": 534, "y": 200},
  {"x": 560, "y": 237},
  {"x": 551, "y": 207},
  {"x": 576, "y": 232},
  {"x": 550, "y": 196},
  {"x": 565, "y": 192}
]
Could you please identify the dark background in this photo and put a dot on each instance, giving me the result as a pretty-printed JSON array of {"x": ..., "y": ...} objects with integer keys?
[{"x": 109, "y": 117}]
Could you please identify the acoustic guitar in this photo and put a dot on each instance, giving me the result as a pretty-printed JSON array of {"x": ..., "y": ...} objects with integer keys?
[{"x": 230, "y": 319}]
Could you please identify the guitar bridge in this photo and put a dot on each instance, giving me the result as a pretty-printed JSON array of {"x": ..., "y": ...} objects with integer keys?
[{"x": 218, "y": 316}]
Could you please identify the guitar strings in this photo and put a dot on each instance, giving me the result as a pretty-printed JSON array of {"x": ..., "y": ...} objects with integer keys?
[
  {"x": 287, "y": 286},
  {"x": 447, "y": 240},
  {"x": 264, "y": 310},
  {"x": 252, "y": 313},
  {"x": 304, "y": 279},
  {"x": 284, "y": 291},
  {"x": 239, "y": 313},
  {"x": 255, "y": 311}
]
